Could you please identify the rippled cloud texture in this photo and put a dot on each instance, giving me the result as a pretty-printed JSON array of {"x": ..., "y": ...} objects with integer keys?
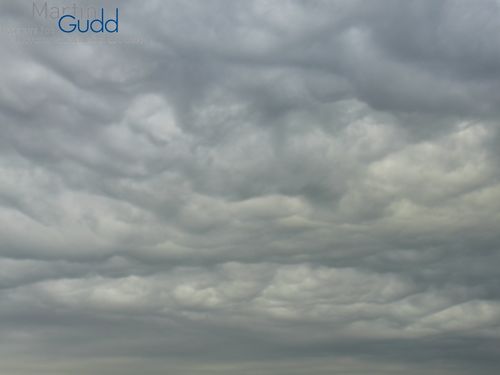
[{"x": 254, "y": 188}]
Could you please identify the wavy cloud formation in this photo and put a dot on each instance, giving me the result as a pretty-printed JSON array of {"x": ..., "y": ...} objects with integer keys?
[{"x": 252, "y": 187}]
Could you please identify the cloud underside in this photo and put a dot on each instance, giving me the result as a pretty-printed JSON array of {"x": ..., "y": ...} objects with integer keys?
[{"x": 253, "y": 188}]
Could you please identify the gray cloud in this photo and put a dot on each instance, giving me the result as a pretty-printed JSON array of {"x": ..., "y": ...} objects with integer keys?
[{"x": 252, "y": 187}]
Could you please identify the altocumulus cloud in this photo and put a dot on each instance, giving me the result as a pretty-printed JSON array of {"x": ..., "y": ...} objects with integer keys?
[{"x": 256, "y": 187}]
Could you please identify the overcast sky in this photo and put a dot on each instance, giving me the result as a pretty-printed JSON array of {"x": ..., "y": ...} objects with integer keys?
[{"x": 251, "y": 188}]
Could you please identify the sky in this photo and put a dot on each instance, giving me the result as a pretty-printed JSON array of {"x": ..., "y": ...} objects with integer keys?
[{"x": 251, "y": 188}]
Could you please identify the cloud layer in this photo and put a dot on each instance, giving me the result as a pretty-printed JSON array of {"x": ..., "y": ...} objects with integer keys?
[{"x": 252, "y": 187}]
